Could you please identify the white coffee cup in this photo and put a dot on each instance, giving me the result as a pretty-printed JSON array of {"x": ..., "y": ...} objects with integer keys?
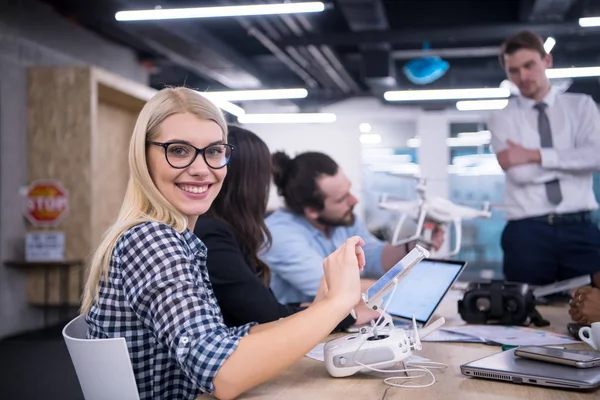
[{"x": 593, "y": 335}]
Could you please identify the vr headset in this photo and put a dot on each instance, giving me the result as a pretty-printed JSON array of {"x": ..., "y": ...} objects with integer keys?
[{"x": 500, "y": 303}]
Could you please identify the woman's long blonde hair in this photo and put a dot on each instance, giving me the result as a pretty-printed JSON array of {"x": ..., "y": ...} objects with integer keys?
[{"x": 143, "y": 202}]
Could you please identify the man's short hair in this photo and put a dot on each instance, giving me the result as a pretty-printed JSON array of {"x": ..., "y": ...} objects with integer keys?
[
  {"x": 522, "y": 40},
  {"x": 296, "y": 179}
]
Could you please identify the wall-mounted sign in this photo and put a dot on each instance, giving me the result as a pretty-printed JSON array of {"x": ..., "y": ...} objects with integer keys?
[
  {"x": 46, "y": 203},
  {"x": 45, "y": 246}
]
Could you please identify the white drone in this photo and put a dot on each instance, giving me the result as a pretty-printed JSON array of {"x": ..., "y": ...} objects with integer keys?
[{"x": 427, "y": 211}]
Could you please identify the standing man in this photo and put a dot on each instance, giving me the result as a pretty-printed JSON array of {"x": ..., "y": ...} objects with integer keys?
[
  {"x": 319, "y": 214},
  {"x": 548, "y": 144}
]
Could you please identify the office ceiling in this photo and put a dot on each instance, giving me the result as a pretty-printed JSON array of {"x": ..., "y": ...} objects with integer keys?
[{"x": 342, "y": 52}]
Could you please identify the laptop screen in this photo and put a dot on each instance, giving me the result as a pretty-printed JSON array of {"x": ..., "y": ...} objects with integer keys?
[{"x": 423, "y": 288}]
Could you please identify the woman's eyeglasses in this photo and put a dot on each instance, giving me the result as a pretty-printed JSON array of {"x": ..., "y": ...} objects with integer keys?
[{"x": 182, "y": 155}]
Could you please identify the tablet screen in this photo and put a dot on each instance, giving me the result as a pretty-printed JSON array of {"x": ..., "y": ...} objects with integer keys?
[{"x": 398, "y": 270}]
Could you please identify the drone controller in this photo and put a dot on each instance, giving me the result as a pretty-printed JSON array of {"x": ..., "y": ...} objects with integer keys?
[
  {"x": 376, "y": 348},
  {"x": 381, "y": 345}
]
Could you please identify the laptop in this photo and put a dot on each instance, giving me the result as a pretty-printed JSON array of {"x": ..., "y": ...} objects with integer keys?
[
  {"x": 421, "y": 291},
  {"x": 505, "y": 366}
]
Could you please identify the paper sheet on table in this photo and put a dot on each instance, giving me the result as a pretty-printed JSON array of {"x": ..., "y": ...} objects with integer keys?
[
  {"x": 318, "y": 354},
  {"x": 513, "y": 335},
  {"x": 442, "y": 335}
]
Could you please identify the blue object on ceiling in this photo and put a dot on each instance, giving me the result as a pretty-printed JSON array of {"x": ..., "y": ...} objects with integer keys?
[{"x": 425, "y": 70}]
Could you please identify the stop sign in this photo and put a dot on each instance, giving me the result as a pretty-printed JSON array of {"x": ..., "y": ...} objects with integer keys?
[{"x": 47, "y": 203}]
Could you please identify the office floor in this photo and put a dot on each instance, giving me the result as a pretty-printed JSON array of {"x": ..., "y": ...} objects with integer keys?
[{"x": 37, "y": 365}]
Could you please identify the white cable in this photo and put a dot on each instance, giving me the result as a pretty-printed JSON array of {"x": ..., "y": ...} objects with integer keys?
[{"x": 418, "y": 366}]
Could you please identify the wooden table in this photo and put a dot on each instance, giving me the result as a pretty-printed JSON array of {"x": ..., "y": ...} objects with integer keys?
[{"x": 309, "y": 380}]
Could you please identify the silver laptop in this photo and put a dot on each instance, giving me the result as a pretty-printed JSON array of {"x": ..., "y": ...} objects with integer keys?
[
  {"x": 422, "y": 290},
  {"x": 505, "y": 366}
]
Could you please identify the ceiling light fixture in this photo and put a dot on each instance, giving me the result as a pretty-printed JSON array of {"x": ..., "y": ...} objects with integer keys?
[
  {"x": 225, "y": 105},
  {"x": 223, "y": 11},
  {"x": 251, "y": 95},
  {"x": 589, "y": 22},
  {"x": 370, "y": 138},
  {"x": 549, "y": 44},
  {"x": 365, "y": 127},
  {"x": 575, "y": 72},
  {"x": 446, "y": 94},
  {"x": 481, "y": 105},
  {"x": 294, "y": 118}
]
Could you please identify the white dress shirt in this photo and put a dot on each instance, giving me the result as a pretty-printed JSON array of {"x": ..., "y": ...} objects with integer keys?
[{"x": 575, "y": 155}]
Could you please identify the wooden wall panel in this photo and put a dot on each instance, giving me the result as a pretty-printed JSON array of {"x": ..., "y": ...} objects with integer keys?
[
  {"x": 80, "y": 121},
  {"x": 60, "y": 121},
  {"x": 110, "y": 167},
  {"x": 59, "y": 144}
]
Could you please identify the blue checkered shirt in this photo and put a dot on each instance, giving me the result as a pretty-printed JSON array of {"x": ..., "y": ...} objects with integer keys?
[{"x": 159, "y": 298}]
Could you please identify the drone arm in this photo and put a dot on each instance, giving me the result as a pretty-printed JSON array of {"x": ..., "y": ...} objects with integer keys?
[
  {"x": 418, "y": 229},
  {"x": 458, "y": 235}
]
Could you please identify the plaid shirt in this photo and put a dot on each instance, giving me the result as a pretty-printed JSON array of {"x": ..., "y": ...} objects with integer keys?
[{"x": 159, "y": 298}]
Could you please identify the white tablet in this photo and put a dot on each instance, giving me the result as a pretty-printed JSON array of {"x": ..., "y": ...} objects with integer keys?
[{"x": 375, "y": 294}]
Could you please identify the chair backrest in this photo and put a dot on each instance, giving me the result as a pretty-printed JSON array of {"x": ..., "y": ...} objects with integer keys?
[{"x": 103, "y": 366}]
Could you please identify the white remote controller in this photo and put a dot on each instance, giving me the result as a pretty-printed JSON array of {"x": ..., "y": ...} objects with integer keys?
[{"x": 376, "y": 348}]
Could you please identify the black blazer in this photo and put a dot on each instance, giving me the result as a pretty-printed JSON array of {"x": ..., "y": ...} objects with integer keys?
[{"x": 242, "y": 296}]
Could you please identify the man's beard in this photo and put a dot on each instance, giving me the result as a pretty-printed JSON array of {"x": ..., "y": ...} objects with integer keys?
[{"x": 332, "y": 223}]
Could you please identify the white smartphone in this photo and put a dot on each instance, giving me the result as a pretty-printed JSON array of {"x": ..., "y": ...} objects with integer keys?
[
  {"x": 380, "y": 289},
  {"x": 573, "y": 358}
]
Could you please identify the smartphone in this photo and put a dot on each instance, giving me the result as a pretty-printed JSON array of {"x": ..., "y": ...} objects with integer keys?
[
  {"x": 573, "y": 358},
  {"x": 376, "y": 292}
]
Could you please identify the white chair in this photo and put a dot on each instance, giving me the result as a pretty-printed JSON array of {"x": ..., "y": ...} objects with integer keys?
[{"x": 103, "y": 366}]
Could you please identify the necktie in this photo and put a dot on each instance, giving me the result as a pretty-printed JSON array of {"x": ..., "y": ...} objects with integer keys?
[{"x": 553, "y": 187}]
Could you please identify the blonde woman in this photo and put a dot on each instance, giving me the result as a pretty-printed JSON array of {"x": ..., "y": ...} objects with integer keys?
[{"x": 148, "y": 280}]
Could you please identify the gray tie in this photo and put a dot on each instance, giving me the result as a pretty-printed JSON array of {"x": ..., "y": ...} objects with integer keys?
[{"x": 553, "y": 187}]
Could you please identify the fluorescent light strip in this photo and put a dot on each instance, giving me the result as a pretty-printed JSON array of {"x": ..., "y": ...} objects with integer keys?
[
  {"x": 295, "y": 118},
  {"x": 250, "y": 95},
  {"x": 446, "y": 94},
  {"x": 224, "y": 11},
  {"x": 589, "y": 22},
  {"x": 370, "y": 138},
  {"x": 481, "y": 105},
  {"x": 580, "y": 72},
  {"x": 453, "y": 142},
  {"x": 225, "y": 105},
  {"x": 549, "y": 44}
]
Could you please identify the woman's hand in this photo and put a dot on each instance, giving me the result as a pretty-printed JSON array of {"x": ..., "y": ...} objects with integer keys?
[
  {"x": 342, "y": 272},
  {"x": 321, "y": 291},
  {"x": 364, "y": 314}
]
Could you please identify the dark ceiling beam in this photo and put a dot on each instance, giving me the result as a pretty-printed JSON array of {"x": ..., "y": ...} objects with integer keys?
[
  {"x": 459, "y": 52},
  {"x": 323, "y": 60},
  {"x": 546, "y": 10},
  {"x": 377, "y": 68},
  {"x": 198, "y": 50},
  {"x": 266, "y": 40},
  {"x": 364, "y": 15},
  {"x": 275, "y": 29},
  {"x": 442, "y": 35}
]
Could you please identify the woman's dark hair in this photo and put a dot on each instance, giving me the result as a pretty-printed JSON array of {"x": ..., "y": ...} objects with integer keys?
[
  {"x": 242, "y": 201},
  {"x": 296, "y": 179}
]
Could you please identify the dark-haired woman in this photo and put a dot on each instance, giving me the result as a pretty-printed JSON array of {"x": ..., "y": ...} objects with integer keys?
[{"x": 234, "y": 232}]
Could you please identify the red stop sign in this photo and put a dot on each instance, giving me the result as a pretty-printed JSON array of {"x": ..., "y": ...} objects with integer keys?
[{"x": 47, "y": 203}]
